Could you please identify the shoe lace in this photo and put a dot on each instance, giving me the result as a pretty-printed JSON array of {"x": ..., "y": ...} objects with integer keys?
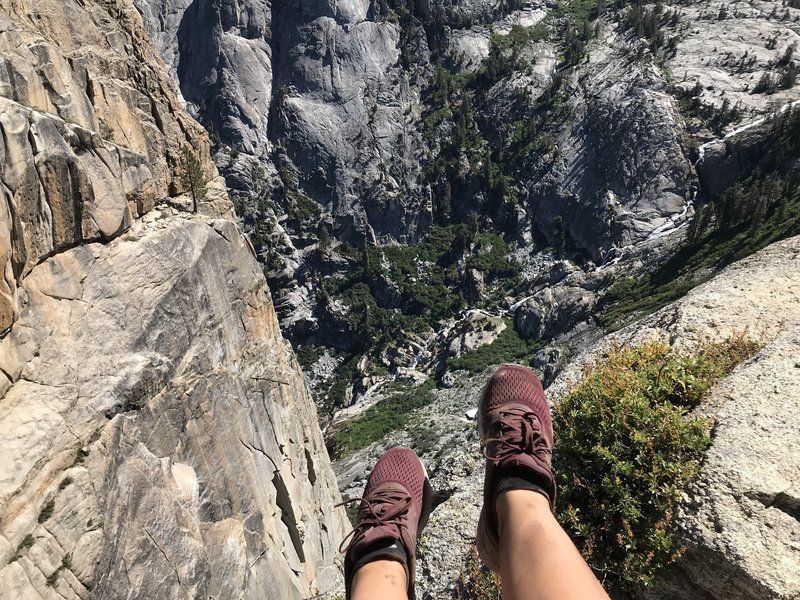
[
  {"x": 519, "y": 432},
  {"x": 383, "y": 508}
]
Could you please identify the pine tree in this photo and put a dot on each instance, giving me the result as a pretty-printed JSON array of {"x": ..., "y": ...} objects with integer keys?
[
  {"x": 789, "y": 77},
  {"x": 192, "y": 176}
]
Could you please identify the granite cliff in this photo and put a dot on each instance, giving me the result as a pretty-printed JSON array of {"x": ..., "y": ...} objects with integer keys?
[{"x": 157, "y": 439}]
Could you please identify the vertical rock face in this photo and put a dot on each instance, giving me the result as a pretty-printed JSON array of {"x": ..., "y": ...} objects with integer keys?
[
  {"x": 156, "y": 436},
  {"x": 323, "y": 79},
  {"x": 220, "y": 52},
  {"x": 346, "y": 110},
  {"x": 623, "y": 171}
]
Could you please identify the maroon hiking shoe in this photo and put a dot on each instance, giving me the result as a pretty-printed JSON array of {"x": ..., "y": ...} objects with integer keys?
[
  {"x": 517, "y": 439},
  {"x": 393, "y": 512}
]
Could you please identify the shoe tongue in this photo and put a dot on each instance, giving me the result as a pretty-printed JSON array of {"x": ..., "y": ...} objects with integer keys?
[{"x": 388, "y": 491}]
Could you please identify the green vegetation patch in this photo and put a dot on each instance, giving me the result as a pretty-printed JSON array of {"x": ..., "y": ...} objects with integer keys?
[
  {"x": 428, "y": 276},
  {"x": 27, "y": 542},
  {"x": 509, "y": 346},
  {"x": 379, "y": 420},
  {"x": 491, "y": 256},
  {"x": 716, "y": 118},
  {"x": 308, "y": 355},
  {"x": 192, "y": 176},
  {"x": 344, "y": 375},
  {"x": 504, "y": 53},
  {"x": 476, "y": 581},
  {"x": 627, "y": 447},
  {"x": 298, "y": 205},
  {"x": 636, "y": 297},
  {"x": 47, "y": 510}
]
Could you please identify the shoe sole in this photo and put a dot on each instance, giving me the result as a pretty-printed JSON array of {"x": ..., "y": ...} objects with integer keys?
[{"x": 427, "y": 498}]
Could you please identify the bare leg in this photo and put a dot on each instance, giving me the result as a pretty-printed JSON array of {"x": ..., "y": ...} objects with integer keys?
[
  {"x": 538, "y": 561},
  {"x": 380, "y": 580}
]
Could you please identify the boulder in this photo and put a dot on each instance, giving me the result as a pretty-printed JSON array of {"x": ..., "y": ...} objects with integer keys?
[
  {"x": 741, "y": 525},
  {"x": 476, "y": 330},
  {"x": 553, "y": 310},
  {"x": 90, "y": 133}
]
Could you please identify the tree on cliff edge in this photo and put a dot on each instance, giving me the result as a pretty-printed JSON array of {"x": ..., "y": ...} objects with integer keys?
[{"x": 192, "y": 176}]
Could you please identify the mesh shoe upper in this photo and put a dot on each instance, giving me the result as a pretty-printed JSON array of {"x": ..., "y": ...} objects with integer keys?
[{"x": 516, "y": 433}]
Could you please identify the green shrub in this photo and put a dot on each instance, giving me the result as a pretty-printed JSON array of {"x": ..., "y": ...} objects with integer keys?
[
  {"x": 80, "y": 456},
  {"x": 509, "y": 346},
  {"x": 66, "y": 563},
  {"x": 626, "y": 448},
  {"x": 298, "y": 205},
  {"x": 639, "y": 297},
  {"x": 26, "y": 543},
  {"x": 491, "y": 256},
  {"x": 425, "y": 438},
  {"x": 338, "y": 388},
  {"x": 476, "y": 581},
  {"x": 47, "y": 510},
  {"x": 308, "y": 355},
  {"x": 106, "y": 131},
  {"x": 378, "y": 420}
]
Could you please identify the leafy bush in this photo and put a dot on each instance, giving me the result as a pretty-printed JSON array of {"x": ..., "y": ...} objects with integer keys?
[
  {"x": 297, "y": 204},
  {"x": 425, "y": 437},
  {"x": 308, "y": 355},
  {"x": 336, "y": 392},
  {"x": 491, "y": 256},
  {"x": 27, "y": 542},
  {"x": 378, "y": 420},
  {"x": 476, "y": 581},
  {"x": 47, "y": 510},
  {"x": 716, "y": 118},
  {"x": 639, "y": 297},
  {"x": 504, "y": 53},
  {"x": 66, "y": 563},
  {"x": 765, "y": 85},
  {"x": 508, "y": 347},
  {"x": 106, "y": 130},
  {"x": 626, "y": 449}
]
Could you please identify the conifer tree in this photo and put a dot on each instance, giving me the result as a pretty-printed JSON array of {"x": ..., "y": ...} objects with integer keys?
[{"x": 192, "y": 176}]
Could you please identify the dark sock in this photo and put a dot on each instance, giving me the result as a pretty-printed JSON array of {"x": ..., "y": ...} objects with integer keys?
[
  {"x": 384, "y": 550},
  {"x": 518, "y": 479}
]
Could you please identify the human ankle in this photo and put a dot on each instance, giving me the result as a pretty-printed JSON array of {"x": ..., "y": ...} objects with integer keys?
[
  {"x": 527, "y": 504},
  {"x": 379, "y": 575}
]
